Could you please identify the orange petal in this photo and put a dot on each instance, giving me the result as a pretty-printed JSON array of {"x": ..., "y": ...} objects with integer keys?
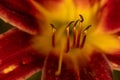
[
  {"x": 82, "y": 3},
  {"x": 49, "y": 4}
]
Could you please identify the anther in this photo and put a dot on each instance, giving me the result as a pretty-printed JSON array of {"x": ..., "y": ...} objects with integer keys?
[
  {"x": 87, "y": 27},
  {"x": 68, "y": 36},
  {"x": 81, "y": 17},
  {"x": 53, "y": 34},
  {"x": 84, "y": 36},
  {"x": 70, "y": 24}
]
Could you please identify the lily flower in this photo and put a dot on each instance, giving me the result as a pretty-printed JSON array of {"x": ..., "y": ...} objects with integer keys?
[{"x": 65, "y": 39}]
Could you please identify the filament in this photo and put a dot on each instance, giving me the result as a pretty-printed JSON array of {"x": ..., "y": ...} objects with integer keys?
[
  {"x": 68, "y": 37},
  {"x": 84, "y": 36},
  {"x": 74, "y": 33},
  {"x": 53, "y": 34},
  {"x": 79, "y": 30}
]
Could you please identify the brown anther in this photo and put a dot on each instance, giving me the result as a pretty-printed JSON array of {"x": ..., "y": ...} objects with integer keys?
[
  {"x": 81, "y": 17},
  {"x": 87, "y": 27},
  {"x": 53, "y": 34},
  {"x": 69, "y": 24}
]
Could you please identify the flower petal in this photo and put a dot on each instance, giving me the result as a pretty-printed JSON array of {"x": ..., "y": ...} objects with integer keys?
[
  {"x": 114, "y": 60},
  {"x": 108, "y": 43},
  {"x": 96, "y": 68},
  {"x": 49, "y": 4},
  {"x": 100, "y": 66},
  {"x": 68, "y": 70},
  {"x": 20, "y": 65},
  {"x": 113, "y": 16},
  {"x": 82, "y": 3},
  {"x": 17, "y": 58},
  {"x": 20, "y": 13}
]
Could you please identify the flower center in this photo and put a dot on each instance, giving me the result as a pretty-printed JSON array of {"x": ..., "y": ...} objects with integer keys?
[
  {"x": 79, "y": 38},
  {"x": 79, "y": 35}
]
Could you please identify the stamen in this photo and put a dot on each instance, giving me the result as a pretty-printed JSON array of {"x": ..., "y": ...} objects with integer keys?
[
  {"x": 68, "y": 37},
  {"x": 53, "y": 34},
  {"x": 84, "y": 36},
  {"x": 68, "y": 40},
  {"x": 83, "y": 41},
  {"x": 81, "y": 17},
  {"x": 79, "y": 31},
  {"x": 74, "y": 33}
]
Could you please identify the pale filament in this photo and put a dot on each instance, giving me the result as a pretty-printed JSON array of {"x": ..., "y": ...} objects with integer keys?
[
  {"x": 59, "y": 63},
  {"x": 66, "y": 50}
]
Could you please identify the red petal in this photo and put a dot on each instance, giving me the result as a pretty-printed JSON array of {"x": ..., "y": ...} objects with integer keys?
[
  {"x": 113, "y": 15},
  {"x": 68, "y": 71},
  {"x": 96, "y": 68},
  {"x": 12, "y": 41},
  {"x": 21, "y": 6},
  {"x": 26, "y": 64},
  {"x": 15, "y": 50},
  {"x": 117, "y": 34},
  {"x": 19, "y": 13},
  {"x": 100, "y": 67},
  {"x": 115, "y": 59}
]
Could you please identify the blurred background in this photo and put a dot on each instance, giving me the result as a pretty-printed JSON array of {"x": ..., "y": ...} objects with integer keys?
[{"x": 5, "y": 26}]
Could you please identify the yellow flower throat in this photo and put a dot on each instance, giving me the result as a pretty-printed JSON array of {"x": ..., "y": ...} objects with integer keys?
[
  {"x": 76, "y": 42},
  {"x": 76, "y": 34}
]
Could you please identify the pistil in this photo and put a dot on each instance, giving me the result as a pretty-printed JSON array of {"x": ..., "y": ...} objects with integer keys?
[{"x": 57, "y": 73}]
